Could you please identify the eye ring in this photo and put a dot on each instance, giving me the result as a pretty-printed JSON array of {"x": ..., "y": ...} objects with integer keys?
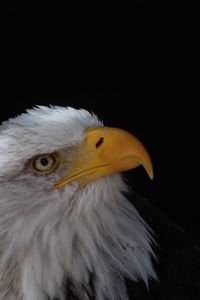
[{"x": 44, "y": 163}]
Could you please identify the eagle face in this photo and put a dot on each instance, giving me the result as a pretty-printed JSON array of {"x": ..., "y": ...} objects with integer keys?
[{"x": 63, "y": 213}]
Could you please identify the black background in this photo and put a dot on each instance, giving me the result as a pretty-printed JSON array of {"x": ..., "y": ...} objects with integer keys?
[{"x": 133, "y": 67}]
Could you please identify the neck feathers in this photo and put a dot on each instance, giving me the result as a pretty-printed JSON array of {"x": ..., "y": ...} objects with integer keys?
[{"x": 99, "y": 235}]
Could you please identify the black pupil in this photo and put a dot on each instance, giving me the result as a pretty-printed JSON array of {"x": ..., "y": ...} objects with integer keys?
[{"x": 44, "y": 161}]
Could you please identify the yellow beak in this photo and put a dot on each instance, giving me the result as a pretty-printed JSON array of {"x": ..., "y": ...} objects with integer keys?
[{"x": 105, "y": 151}]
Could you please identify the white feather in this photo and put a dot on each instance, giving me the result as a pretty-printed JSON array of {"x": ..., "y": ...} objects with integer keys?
[{"x": 48, "y": 236}]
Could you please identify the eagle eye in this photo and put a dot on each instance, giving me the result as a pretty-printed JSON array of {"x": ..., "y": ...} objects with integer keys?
[{"x": 44, "y": 163}]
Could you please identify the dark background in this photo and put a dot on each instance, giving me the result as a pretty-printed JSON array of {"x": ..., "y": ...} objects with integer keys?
[{"x": 132, "y": 67}]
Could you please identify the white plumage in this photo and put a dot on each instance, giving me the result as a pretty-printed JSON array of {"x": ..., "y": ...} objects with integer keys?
[{"x": 52, "y": 236}]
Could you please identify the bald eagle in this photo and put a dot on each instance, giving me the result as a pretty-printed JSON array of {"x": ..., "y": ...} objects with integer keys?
[{"x": 64, "y": 217}]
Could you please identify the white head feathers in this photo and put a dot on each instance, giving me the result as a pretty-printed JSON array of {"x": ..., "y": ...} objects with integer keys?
[{"x": 49, "y": 237}]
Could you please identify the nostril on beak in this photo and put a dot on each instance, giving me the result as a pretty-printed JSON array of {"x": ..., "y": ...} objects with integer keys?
[{"x": 100, "y": 142}]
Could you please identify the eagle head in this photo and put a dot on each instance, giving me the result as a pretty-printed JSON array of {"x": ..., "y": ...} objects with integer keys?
[{"x": 64, "y": 217}]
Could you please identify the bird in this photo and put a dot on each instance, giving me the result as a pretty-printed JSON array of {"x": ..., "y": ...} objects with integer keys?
[{"x": 65, "y": 222}]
